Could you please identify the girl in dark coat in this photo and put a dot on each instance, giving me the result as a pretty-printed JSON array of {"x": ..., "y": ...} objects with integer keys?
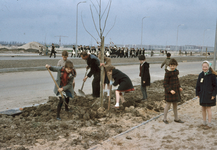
[
  {"x": 206, "y": 92},
  {"x": 172, "y": 90},
  {"x": 125, "y": 84}
]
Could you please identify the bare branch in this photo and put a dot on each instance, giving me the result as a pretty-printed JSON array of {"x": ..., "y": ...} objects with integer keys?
[
  {"x": 105, "y": 10},
  {"x": 97, "y": 2},
  {"x": 94, "y": 20},
  {"x": 107, "y": 16},
  {"x": 86, "y": 29},
  {"x": 95, "y": 7},
  {"x": 111, "y": 27},
  {"x": 100, "y": 19}
]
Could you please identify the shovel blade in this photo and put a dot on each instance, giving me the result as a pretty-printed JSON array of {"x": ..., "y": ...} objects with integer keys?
[{"x": 81, "y": 93}]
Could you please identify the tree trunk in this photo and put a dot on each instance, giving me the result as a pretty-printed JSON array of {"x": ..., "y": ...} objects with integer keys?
[{"x": 102, "y": 75}]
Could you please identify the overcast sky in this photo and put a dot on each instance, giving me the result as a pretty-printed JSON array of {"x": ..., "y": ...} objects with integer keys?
[{"x": 43, "y": 20}]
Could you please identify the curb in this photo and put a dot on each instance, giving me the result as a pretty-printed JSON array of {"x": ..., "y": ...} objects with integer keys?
[{"x": 42, "y": 68}]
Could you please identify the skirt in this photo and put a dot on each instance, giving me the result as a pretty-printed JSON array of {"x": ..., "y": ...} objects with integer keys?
[{"x": 208, "y": 104}]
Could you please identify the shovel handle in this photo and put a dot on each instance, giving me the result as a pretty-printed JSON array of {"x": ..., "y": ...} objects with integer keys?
[
  {"x": 84, "y": 81},
  {"x": 56, "y": 85}
]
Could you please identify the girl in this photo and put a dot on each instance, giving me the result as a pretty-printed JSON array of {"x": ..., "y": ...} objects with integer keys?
[
  {"x": 172, "y": 90},
  {"x": 125, "y": 84},
  {"x": 206, "y": 92},
  {"x": 65, "y": 77}
]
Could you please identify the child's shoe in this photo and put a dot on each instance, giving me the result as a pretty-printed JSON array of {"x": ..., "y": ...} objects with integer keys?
[{"x": 117, "y": 105}]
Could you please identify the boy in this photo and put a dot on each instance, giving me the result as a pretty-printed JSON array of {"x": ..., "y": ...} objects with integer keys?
[
  {"x": 62, "y": 62},
  {"x": 145, "y": 75},
  {"x": 166, "y": 61},
  {"x": 172, "y": 90},
  {"x": 65, "y": 77}
]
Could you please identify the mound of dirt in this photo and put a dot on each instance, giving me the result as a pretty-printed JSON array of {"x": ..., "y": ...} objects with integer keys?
[{"x": 85, "y": 125}]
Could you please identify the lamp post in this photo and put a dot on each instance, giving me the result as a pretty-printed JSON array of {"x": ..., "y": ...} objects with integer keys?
[
  {"x": 76, "y": 46},
  {"x": 177, "y": 35},
  {"x": 142, "y": 30},
  {"x": 203, "y": 38}
]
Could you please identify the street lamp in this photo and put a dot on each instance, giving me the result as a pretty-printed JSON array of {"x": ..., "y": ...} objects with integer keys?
[
  {"x": 203, "y": 38},
  {"x": 177, "y": 35},
  {"x": 76, "y": 46},
  {"x": 142, "y": 30}
]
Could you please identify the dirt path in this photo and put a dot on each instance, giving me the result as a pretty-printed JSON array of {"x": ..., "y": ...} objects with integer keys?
[{"x": 157, "y": 135}]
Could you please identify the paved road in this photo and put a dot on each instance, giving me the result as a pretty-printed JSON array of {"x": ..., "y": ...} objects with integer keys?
[{"x": 21, "y": 89}]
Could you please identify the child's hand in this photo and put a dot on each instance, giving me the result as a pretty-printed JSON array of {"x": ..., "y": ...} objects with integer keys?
[
  {"x": 47, "y": 66},
  {"x": 172, "y": 92},
  {"x": 213, "y": 97},
  {"x": 180, "y": 89},
  {"x": 102, "y": 64},
  {"x": 60, "y": 89}
]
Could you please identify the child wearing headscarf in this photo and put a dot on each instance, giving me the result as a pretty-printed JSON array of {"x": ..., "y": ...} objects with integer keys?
[{"x": 206, "y": 92}]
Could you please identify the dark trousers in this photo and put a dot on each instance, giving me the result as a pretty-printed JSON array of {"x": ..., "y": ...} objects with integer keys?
[
  {"x": 96, "y": 85},
  {"x": 60, "y": 105},
  {"x": 52, "y": 52}
]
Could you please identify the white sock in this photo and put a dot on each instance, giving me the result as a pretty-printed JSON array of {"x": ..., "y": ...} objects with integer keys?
[{"x": 117, "y": 105}]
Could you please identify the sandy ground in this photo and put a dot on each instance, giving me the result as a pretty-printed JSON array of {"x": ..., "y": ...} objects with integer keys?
[{"x": 157, "y": 135}]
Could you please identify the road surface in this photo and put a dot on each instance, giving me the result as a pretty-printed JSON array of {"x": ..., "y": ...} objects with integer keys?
[{"x": 21, "y": 89}]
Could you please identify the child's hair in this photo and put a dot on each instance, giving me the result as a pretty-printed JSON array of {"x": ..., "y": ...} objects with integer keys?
[
  {"x": 173, "y": 62},
  {"x": 65, "y": 53},
  {"x": 84, "y": 53},
  {"x": 109, "y": 68},
  {"x": 141, "y": 57},
  {"x": 69, "y": 64},
  {"x": 168, "y": 54}
]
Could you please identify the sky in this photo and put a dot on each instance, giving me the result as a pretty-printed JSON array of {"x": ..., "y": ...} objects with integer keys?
[{"x": 193, "y": 22}]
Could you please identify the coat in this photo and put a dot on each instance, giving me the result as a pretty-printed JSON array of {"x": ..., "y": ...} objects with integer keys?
[
  {"x": 145, "y": 75},
  {"x": 122, "y": 79},
  {"x": 93, "y": 63},
  {"x": 68, "y": 87},
  {"x": 206, "y": 87},
  {"x": 171, "y": 82}
]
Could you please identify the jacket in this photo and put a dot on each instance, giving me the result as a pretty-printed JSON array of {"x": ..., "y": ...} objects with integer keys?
[
  {"x": 145, "y": 75},
  {"x": 206, "y": 87},
  {"x": 122, "y": 79},
  {"x": 94, "y": 63},
  {"x": 171, "y": 82},
  {"x": 68, "y": 87}
]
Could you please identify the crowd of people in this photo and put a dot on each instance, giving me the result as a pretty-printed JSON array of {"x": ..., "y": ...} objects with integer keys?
[
  {"x": 205, "y": 88},
  {"x": 117, "y": 52}
]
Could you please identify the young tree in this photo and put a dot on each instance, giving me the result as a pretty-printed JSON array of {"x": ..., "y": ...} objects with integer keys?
[{"x": 102, "y": 16}]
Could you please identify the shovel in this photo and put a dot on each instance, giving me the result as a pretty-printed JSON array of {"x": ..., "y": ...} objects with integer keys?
[
  {"x": 58, "y": 87},
  {"x": 80, "y": 90}
]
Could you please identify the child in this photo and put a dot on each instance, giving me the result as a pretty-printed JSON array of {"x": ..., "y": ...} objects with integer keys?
[
  {"x": 166, "y": 61},
  {"x": 62, "y": 62},
  {"x": 125, "y": 84},
  {"x": 172, "y": 90},
  {"x": 107, "y": 62},
  {"x": 206, "y": 92},
  {"x": 65, "y": 77},
  {"x": 145, "y": 76}
]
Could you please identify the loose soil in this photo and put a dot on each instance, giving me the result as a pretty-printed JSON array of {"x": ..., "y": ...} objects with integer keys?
[{"x": 86, "y": 125}]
